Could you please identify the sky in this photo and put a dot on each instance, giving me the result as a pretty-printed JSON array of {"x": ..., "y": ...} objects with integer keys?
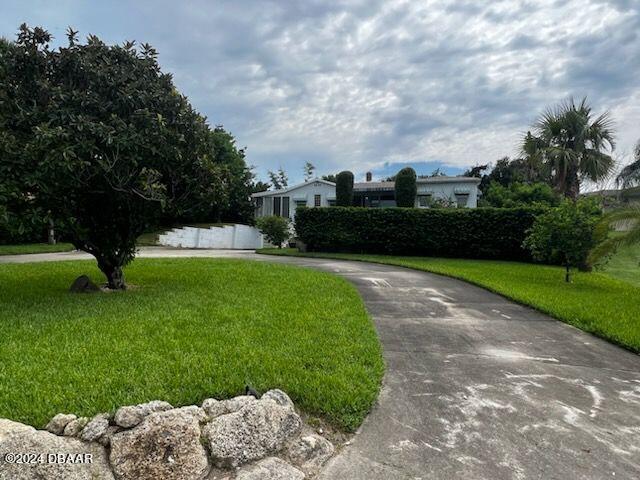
[{"x": 371, "y": 85}]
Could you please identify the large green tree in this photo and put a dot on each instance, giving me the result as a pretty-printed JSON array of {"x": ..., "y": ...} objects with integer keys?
[
  {"x": 99, "y": 138},
  {"x": 573, "y": 144}
]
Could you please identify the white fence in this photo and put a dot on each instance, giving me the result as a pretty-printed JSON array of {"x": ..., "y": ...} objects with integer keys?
[{"x": 240, "y": 237}]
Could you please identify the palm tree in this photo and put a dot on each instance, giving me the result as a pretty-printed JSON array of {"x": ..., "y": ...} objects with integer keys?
[
  {"x": 573, "y": 145},
  {"x": 629, "y": 215},
  {"x": 630, "y": 175}
]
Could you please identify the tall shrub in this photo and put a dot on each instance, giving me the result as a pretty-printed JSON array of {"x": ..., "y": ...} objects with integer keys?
[
  {"x": 406, "y": 188},
  {"x": 344, "y": 189}
]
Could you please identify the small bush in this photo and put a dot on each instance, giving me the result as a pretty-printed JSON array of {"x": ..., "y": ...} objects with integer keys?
[
  {"x": 275, "y": 228},
  {"x": 462, "y": 232},
  {"x": 406, "y": 188},
  {"x": 564, "y": 235}
]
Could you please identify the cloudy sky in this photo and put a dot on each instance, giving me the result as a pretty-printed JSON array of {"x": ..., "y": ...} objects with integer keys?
[{"x": 375, "y": 85}]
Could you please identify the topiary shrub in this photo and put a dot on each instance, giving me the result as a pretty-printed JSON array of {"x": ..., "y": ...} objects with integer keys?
[
  {"x": 496, "y": 233},
  {"x": 344, "y": 189},
  {"x": 275, "y": 228},
  {"x": 406, "y": 188}
]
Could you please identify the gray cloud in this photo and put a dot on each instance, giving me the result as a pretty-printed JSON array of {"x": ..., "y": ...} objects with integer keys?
[{"x": 367, "y": 84}]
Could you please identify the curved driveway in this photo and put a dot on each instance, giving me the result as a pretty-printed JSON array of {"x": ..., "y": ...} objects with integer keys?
[{"x": 478, "y": 387}]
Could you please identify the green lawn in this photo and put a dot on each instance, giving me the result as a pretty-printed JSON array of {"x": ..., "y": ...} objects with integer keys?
[
  {"x": 188, "y": 329},
  {"x": 594, "y": 302},
  {"x": 34, "y": 248},
  {"x": 625, "y": 265}
]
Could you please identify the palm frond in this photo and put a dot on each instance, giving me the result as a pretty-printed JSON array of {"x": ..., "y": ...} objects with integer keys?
[
  {"x": 630, "y": 175},
  {"x": 612, "y": 244},
  {"x": 601, "y": 132},
  {"x": 596, "y": 165}
]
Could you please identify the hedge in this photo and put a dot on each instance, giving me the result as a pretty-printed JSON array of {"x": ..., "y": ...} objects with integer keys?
[{"x": 492, "y": 233}]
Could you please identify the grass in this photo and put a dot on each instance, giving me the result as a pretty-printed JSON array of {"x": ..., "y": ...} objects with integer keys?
[
  {"x": 593, "y": 302},
  {"x": 148, "y": 239},
  {"x": 191, "y": 329},
  {"x": 625, "y": 265},
  {"x": 34, "y": 248}
]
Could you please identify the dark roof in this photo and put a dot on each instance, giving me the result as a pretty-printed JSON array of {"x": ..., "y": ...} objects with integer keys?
[{"x": 388, "y": 186}]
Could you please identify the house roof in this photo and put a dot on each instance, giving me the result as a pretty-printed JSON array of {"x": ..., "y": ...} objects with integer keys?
[
  {"x": 369, "y": 186},
  {"x": 388, "y": 186},
  {"x": 282, "y": 191}
]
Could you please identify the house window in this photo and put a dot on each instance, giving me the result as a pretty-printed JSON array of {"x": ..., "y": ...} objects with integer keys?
[
  {"x": 317, "y": 200},
  {"x": 277, "y": 201},
  {"x": 461, "y": 199},
  {"x": 285, "y": 206},
  {"x": 301, "y": 203},
  {"x": 424, "y": 200}
]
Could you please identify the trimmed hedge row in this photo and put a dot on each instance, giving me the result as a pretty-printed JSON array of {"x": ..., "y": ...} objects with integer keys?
[{"x": 492, "y": 233}]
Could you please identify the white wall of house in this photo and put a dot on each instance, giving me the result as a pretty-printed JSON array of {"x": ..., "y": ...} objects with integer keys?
[
  {"x": 313, "y": 193},
  {"x": 463, "y": 193}
]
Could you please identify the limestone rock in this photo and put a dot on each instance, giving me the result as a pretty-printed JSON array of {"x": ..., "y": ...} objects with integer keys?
[
  {"x": 132, "y": 415},
  {"x": 105, "y": 439},
  {"x": 214, "y": 408},
  {"x": 83, "y": 284},
  {"x": 96, "y": 428},
  {"x": 310, "y": 452},
  {"x": 279, "y": 397},
  {"x": 58, "y": 423},
  {"x": 72, "y": 451},
  {"x": 74, "y": 427},
  {"x": 193, "y": 411},
  {"x": 166, "y": 445},
  {"x": 271, "y": 468},
  {"x": 258, "y": 429},
  {"x": 9, "y": 427}
]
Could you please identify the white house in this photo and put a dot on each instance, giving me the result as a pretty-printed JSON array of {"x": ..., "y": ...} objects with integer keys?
[
  {"x": 314, "y": 193},
  {"x": 459, "y": 191}
]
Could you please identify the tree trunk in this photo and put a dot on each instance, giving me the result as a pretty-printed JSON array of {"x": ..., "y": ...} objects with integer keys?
[
  {"x": 572, "y": 189},
  {"x": 115, "y": 276},
  {"x": 567, "y": 275}
]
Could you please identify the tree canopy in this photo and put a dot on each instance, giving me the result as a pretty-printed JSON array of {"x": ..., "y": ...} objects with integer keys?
[
  {"x": 573, "y": 144},
  {"x": 97, "y": 137},
  {"x": 564, "y": 235},
  {"x": 518, "y": 194}
]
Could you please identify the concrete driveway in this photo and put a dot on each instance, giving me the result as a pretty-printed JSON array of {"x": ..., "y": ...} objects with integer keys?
[{"x": 478, "y": 387}]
